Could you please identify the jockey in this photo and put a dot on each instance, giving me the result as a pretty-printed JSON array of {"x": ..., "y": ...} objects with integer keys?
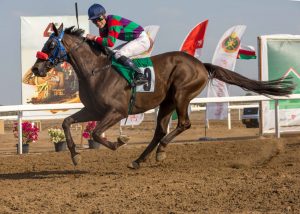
[{"x": 112, "y": 27}]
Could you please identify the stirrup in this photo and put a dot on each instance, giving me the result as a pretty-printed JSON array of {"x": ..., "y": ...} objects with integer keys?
[
  {"x": 140, "y": 79},
  {"x": 140, "y": 82}
]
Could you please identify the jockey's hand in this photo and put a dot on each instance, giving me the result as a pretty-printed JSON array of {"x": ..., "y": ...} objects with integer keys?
[{"x": 91, "y": 37}]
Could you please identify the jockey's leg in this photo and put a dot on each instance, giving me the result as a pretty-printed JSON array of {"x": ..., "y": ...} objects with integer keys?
[
  {"x": 139, "y": 77},
  {"x": 134, "y": 48}
]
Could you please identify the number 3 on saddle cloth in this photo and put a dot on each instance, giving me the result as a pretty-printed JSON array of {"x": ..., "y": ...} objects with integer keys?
[{"x": 145, "y": 65}]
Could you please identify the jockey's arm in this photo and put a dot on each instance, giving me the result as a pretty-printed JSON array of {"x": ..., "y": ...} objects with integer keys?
[{"x": 110, "y": 40}]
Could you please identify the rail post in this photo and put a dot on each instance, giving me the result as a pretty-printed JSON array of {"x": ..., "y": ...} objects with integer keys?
[
  {"x": 20, "y": 141},
  {"x": 277, "y": 130}
]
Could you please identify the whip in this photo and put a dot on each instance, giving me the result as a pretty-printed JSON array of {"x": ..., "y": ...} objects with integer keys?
[{"x": 76, "y": 10}]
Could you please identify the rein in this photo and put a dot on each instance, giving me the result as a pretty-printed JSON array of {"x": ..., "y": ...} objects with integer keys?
[{"x": 77, "y": 46}]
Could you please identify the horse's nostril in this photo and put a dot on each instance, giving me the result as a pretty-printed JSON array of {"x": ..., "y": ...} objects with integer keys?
[{"x": 35, "y": 70}]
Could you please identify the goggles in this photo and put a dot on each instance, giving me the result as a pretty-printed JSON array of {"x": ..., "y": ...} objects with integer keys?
[{"x": 97, "y": 19}]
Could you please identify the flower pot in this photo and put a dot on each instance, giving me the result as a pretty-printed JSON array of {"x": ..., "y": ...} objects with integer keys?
[
  {"x": 60, "y": 146},
  {"x": 25, "y": 148},
  {"x": 93, "y": 144}
]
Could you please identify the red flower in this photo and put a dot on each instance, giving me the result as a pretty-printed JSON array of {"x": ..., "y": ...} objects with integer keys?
[
  {"x": 87, "y": 132},
  {"x": 29, "y": 132}
]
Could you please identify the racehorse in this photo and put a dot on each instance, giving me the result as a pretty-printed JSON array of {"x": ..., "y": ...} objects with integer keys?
[{"x": 106, "y": 95}]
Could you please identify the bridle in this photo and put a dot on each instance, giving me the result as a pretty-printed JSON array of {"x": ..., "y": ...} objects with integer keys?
[{"x": 59, "y": 53}]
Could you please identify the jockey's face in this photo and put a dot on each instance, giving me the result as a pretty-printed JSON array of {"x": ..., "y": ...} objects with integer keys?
[{"x": 100, "y": 22}]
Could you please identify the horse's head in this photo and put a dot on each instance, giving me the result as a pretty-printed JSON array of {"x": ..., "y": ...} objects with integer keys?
[{"x": 52, "y": 53}]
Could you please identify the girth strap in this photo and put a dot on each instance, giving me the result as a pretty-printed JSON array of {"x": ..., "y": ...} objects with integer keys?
[{"x": 131, "y": 101}]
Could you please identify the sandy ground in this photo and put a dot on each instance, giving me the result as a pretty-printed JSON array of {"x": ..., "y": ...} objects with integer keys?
[{"x": 237, "y": 172}]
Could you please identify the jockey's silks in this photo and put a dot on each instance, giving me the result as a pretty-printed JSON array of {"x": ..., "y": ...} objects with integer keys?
[{"x": 120, "y": 28}]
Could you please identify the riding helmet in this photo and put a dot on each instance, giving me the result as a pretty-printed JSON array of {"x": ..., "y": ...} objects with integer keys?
[{"x": 95, "y": 11}]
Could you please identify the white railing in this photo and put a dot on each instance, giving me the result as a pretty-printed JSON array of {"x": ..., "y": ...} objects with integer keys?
[
  {"x": 250, "y": 99},
  {"x": 21, "y": 108}
]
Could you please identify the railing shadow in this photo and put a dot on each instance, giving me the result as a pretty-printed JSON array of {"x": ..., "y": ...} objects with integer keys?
[
  {"x": 228, "y": 138},
  {"x": 41, "y": 174},
  {"x": 203, "y": 139}
]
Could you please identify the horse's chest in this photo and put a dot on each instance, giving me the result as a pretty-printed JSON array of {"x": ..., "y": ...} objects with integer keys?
[{"x": 90, "y": 96}]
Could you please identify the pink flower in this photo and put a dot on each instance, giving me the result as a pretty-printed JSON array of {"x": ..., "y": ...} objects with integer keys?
[
  {"x": 87, "y": 132},
  {"x": 29, "y": 132},
  {"x": 86, "y": 135}
]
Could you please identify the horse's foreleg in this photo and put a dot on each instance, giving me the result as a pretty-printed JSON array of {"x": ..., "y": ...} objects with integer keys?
[
  {"x": 81, "y": 116},
  {"x": 103, "y": 124},
  {"x": 164, "y": 114}
]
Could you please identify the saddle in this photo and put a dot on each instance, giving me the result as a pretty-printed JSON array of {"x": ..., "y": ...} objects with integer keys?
[{"x": 126, "y": 72}]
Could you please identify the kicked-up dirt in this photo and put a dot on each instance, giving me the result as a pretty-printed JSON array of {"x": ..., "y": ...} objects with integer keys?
[{"x": 237, "y": 172}]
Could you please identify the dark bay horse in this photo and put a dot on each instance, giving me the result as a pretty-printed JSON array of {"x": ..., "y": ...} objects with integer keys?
[{"x": 106, "y": 95}]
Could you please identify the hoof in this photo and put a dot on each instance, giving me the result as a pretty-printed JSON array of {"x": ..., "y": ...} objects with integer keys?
[
  {"x": 122, "y": 140},
  {"x": 160, "y": 156},
  {"x": 76, "y": 159},
  {"x": 134, "y": 165}
]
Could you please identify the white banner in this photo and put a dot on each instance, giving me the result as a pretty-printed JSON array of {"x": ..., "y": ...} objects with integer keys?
[
  {"x": 224, "y": 56},
  {"x": 151, "y": 31},
  {"x": 60, "y": 85},
  {"x": 132, "y": 120}
]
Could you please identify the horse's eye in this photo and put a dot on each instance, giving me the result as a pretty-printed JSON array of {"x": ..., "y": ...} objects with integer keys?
[{"x": 52, "y": 45}]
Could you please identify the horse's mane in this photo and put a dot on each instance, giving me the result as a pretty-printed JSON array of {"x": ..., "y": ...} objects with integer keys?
[
  {"x": 94, "y": 45},
  {"x": 74, "y": 31}
]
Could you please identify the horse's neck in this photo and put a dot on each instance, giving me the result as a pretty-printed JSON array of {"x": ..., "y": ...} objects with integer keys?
[{"x": 82, "y": 58}]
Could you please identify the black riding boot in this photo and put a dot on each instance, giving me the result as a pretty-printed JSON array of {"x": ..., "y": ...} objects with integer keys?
[{"x": 139, "y": 77}]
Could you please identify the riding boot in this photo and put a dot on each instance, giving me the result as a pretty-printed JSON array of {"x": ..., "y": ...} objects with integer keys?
[{"x": 139, "y": 77}]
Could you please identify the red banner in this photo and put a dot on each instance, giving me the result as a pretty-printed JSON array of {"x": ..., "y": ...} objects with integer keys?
[{"x": 195, "y": 39}]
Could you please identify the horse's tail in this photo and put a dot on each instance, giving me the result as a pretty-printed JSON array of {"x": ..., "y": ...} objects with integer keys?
[{"x": 278, "y": 87}]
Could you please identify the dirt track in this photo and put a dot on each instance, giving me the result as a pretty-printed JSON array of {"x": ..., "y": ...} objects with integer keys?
[{"x": 246, "y": 175}]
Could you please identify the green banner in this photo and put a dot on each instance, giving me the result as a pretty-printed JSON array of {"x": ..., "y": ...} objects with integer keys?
[{"x": 283, "y": 60}]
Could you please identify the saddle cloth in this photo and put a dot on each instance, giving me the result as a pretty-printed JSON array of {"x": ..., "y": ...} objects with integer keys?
[{"x": 145, "y": 65}]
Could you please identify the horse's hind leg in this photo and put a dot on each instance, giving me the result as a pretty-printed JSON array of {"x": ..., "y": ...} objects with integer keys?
[
  {"x": 165, "y": 111},
  {"x": 183, "y": 124},
  {"x": 81, "y": 116}
]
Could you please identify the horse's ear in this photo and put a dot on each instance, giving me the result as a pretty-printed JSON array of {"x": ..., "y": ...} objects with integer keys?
[
  {"x": 55, "y": 29},
  {"x": 61, "y": 27}
]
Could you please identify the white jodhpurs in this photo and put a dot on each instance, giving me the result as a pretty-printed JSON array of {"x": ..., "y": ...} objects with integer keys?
[{"x": 134, "y": 47}]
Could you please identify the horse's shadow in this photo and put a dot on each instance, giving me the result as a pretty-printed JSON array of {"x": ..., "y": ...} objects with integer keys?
[{"x": 41, "y": 174}]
